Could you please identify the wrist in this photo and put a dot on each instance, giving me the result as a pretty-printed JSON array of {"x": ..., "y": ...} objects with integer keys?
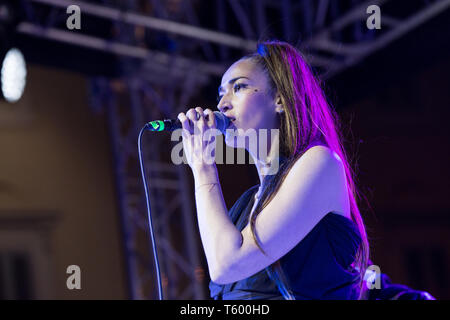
[
  {"x": 210, "y": 185},
  {"x": 205, "y": 174},
  {"x": 204, "y": 170}
]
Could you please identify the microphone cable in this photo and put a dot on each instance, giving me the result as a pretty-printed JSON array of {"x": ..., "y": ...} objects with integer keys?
[
  {"x": 149, "y": 215},
  {"x": 160, "y": 126}
]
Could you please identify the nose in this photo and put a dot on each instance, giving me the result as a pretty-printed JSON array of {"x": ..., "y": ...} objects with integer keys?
[
  {"x": 223, "y": 105},
  {"x": 224, "y": 108}
]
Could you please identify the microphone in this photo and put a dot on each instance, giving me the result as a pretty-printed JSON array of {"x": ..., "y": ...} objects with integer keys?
[{"x": 222, "y": 123}]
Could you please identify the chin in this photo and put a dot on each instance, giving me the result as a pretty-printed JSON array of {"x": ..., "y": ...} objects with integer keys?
[{"x": 234, "y": 140}]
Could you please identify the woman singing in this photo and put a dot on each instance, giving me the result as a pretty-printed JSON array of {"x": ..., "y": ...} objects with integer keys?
[{"x": 299, "y": 233}]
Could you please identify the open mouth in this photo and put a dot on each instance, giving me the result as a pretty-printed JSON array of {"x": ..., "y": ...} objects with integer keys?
[{"x": 231, "y": 123}]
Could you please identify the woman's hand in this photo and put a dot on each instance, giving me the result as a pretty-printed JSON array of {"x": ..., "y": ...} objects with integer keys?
[{"x": 199, "y": 142}]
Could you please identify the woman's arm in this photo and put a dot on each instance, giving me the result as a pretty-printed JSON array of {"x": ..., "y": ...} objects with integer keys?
[
  {"x": 220, "y": 238},
  {"x": 315, "y": 186}
]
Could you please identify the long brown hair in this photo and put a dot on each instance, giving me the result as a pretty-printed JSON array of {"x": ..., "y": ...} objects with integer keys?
[{"x": 307, "y": 120}]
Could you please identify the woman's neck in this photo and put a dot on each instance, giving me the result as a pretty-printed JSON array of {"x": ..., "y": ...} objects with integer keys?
[{"x": 267, "y": 157}]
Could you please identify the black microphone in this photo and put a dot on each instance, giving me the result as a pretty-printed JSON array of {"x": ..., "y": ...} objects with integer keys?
[{"x": 222, "y": 123}]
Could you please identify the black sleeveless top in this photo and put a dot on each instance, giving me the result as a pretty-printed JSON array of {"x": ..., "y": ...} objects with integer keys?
[{"x": 316, "y": 268}]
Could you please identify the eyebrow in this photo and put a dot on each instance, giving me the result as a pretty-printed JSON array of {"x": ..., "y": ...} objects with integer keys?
[{"x": 231, "y": 82}]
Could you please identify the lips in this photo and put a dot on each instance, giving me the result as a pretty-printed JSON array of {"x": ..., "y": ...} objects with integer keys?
[{"x": 231, "y": 122}]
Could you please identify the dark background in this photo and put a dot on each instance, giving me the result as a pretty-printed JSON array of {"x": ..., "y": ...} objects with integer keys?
[{"x": 393, "y": 107}]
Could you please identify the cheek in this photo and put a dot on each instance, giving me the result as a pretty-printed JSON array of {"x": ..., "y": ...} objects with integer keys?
[{"x": 254, "y": 110}]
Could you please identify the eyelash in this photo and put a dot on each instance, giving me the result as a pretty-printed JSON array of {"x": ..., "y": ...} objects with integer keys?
[{"x": 240, "y": 85}]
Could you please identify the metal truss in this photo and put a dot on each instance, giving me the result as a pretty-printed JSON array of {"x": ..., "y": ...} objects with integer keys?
[
  {"x": 129, "y": 104},
  {"x": 178, "y": 244},
  {"x": 332, "y": 35}
]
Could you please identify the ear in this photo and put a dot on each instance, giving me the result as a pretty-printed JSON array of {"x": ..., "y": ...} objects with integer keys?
[{"x": 279, "y": 108}]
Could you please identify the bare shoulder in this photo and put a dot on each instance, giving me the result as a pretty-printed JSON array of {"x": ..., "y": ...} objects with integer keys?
[
  {"x": 325, "y": 165},
  {"x": 319, "y": 158},
  {"x": 321, "y": 151}
]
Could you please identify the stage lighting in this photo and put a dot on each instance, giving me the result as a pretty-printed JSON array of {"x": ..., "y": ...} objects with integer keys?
[{"x": 13, "y": 75}]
